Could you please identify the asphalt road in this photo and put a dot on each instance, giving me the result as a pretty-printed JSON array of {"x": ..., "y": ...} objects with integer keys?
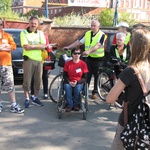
[{"x": 40, "y": 129}]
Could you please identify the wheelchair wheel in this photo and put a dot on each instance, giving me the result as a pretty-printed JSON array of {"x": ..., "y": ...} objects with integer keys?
[
  {"x": 84, "y": 101},
  {"x": 54, "y": 86},
  {"x": 86, "y": 97},
  {"x": 103, "y": 85},
  {"x": 60, "y": 100}
]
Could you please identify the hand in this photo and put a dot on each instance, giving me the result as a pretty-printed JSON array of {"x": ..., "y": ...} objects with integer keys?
[
  {"x": 73, "y": 83},
  {"x": 48, "y": 46},
  {"x": 85, "y": 53},
  {"x": 25, "y": 46}
]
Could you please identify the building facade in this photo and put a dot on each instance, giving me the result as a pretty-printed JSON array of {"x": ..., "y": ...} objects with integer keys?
[{"x": 139, "y": 8}]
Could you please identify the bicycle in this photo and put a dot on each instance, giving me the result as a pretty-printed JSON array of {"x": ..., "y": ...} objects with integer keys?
[
  {"x": 107, "y": 77},
  {"x": 55, "y": 83}
]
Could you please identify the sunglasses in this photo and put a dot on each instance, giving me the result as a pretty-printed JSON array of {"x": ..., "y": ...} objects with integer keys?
[
  {"x": 76, "y": 53},
  {"x": 41, "y": 23},
  {"x": 1, "y": 24}
]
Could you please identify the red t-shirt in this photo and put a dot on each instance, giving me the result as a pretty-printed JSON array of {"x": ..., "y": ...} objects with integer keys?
[
  {"x": 47, "y": 42},
  {"x": 75, "y": 70}
]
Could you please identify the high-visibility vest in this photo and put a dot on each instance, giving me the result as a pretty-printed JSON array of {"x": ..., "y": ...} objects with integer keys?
[
  {"x": 88, "y": 44},
  {"x": 124, "y": 54},
  {"x": 33, "y": 54},
  {"x": 127, "y": 39}
]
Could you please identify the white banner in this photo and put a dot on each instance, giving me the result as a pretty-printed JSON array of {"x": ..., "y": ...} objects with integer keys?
[{"x": 88, "y": 3}]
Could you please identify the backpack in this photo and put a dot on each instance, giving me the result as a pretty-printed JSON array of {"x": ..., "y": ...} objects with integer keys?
[
  {"x": 136, "y": 134},
  {"x": 49, "y": 62}
]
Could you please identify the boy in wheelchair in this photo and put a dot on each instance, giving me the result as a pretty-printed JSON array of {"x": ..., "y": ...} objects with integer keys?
[{"x": 75, "y": 75}]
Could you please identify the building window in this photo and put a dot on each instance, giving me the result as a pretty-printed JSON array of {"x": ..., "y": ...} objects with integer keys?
[
  {"x": 51, "y": 11},
  {"x": 55, "y": 11},
  {"x": 20, "y": 10}
]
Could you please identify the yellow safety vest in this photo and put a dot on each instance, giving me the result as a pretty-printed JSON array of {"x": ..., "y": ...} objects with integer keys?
[
  {"x": 88, "y": 44},
  {"x": 35, "y": 38},
  {"x": 124, "y": 54},
  {"x": 127, "y": 38}
]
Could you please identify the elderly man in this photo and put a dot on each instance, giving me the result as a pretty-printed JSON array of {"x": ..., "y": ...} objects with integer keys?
[
  {"x": 33, "y": 42},
  {"x": 93, "y": 40},
  {"x": 7, "y": 45}
]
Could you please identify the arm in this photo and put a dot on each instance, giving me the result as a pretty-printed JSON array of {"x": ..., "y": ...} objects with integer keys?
[
  {"x": 97, "y": 46},
  {"x": 84, "y": 78},
  {"x": 9, "y": 45},
  {"x": 92, "y": 49},
  {"x": 115, "y": 92},
  {"x": 26, "y": 46},
  {"x": 34, "y": 47},
  {"x": 75, "y": 44},
  {"x": 5, "y": 47},
  {"x": 65, "y": 76}
]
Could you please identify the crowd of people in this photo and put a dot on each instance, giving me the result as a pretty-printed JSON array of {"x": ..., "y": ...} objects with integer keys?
[{"x": 132, "y": 48}]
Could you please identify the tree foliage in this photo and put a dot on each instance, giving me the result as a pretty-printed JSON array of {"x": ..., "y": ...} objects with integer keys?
[
  {"x": 5, "y": 5},
  {"x": 106, "y": 17},
  {"x": 73, "y": 19},
  {"x": 126, "y": 17},
  {"x": 30, "y": 13}
]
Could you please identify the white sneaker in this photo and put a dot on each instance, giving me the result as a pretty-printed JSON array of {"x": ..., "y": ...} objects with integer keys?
[{"x": 17, "y": 109}]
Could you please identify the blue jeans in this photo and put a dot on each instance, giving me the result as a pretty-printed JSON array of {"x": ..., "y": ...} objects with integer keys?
[{"x": 76, "y": 94}]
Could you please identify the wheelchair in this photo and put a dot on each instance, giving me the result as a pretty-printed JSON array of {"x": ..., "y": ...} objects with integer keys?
[{"x": 61, "y": 101}]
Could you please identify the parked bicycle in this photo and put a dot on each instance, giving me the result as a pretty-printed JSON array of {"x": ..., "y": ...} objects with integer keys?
[
  {"x": 107, "y": 77},
  {"x": 61, "y": 57}
]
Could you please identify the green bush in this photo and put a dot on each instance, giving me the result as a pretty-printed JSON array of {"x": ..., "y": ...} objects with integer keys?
[
  {"x": 73, "y": 20},
  {"x": 106, "y": 17}
]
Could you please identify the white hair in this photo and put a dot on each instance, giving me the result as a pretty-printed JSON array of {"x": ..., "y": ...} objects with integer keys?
[
  {"x": 96, "y": 21},
  {"x": 121, "y": 35}
]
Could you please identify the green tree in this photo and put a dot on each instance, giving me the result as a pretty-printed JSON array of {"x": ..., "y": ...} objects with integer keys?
[
  {"x": 32, "y": 12},
  {"x": 127, "y": 17},
  {"x": 5, "y": 5},
  {"x": 106, "y": 17}
]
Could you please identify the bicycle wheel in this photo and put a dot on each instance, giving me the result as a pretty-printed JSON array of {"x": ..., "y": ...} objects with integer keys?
[
  {"x": 103, "y": 85},
  {"x": 54, "y": 86}
]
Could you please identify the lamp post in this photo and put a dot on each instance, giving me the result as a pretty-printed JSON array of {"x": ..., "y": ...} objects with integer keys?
[
  {"x": 115, "y": 20},
  {"x": 46, "y": 9}
]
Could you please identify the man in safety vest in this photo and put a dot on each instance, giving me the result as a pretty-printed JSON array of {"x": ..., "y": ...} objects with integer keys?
[
  {"x": 33, "y": 42},
  {"x": 94, "y": 50}
]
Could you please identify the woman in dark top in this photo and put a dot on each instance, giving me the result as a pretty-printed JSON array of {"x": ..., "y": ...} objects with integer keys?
[{"x": 128, "y": 81}]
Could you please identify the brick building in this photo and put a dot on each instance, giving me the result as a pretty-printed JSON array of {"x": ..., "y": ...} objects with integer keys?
[{"x": 140, "y": 8}]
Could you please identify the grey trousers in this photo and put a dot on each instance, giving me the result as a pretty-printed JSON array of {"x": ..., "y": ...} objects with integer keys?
[{"x": 117, "y": 144}]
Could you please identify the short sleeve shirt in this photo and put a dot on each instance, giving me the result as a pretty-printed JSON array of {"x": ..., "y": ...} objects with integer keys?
[
  {"x": 133, "y": 92},
  {"x": 75, "y": 70}
]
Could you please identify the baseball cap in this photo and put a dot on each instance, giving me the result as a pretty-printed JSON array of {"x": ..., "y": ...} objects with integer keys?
[
  {"x": 41, "y": 22},
  {"x": 123, "y": 24}
]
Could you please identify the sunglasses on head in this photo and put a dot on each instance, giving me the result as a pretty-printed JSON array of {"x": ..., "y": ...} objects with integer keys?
[{"x": 75, "y": 53}]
